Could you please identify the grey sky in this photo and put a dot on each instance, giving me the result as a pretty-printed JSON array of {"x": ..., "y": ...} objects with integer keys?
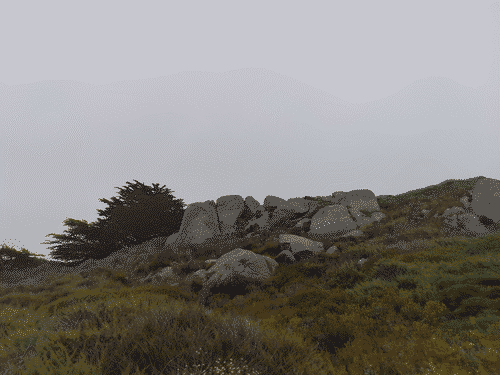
[{"x": 284, "y": 98}]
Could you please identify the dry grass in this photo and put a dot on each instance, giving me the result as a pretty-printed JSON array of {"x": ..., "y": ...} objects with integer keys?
[{"x": 101, "y": 322}]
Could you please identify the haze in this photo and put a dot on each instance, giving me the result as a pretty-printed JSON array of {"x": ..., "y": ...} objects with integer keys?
[{"x": 283, "y": 98}]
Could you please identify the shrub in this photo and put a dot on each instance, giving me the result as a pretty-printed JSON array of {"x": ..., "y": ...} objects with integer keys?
[
  {"x": 346, "y": 278},
  {"x": 183, "y": 269}
]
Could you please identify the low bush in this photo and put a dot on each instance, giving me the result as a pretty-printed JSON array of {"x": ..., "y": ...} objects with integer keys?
[{"x": 423, "y": 301}]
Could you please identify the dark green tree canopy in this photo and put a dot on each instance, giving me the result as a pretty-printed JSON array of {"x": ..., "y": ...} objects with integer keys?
[
  {"x": 12, "y": 259},
  {"x": 139, "y": 214},
  {"x": 81, "y": 243}
]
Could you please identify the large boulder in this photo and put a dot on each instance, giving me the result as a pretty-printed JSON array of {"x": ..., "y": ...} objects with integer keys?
[
  {"x": 330, "y": 222},
  {"x": 362, "y": 199},
  {"x": 239, "y": 269},
  {"x": 486, "y": 199},
  {"x": 235, "y": 271},
  {"x": 232, "y": 219}
]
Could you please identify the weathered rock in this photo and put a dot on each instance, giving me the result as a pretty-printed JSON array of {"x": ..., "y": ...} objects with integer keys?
[
  {"x": 235, "y": 271},
  {"x": 341, "y": 219},
  {"x": 232, "y": 219},
  {"x": 486, "y": 199}
]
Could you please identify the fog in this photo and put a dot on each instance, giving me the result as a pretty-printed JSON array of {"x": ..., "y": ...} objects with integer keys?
[{"x": 274, "y": 98}]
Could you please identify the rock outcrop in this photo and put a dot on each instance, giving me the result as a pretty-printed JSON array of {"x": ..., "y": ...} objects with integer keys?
[{"x": 231, "y": 219}]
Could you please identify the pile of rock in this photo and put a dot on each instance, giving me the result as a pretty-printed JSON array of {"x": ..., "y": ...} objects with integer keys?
[{"x": 231, "y": 219}]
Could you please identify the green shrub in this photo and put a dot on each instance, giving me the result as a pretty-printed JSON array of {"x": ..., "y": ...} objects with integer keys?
[
  {"x": 183, "y": 269},
  {"x": 270, "y": 249},
  {"x": 346, "y": 278},
  {"x": 194, "y": 286},
  {"x": 157, "y": 263},
  {"x": 120, "y": 277},
  {"x": 429, "y": 308}
]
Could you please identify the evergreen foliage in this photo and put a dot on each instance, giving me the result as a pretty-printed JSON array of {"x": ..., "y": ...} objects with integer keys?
[
  {"x": 428, "y": 307},
  {"x": 10, "y": 258},
  {"x": 140, "y": 213}
]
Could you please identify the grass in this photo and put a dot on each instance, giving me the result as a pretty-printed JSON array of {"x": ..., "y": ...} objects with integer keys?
[{"x": 430, "y": 307}]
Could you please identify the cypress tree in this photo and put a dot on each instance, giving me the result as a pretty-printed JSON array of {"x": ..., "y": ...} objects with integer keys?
[{"x": 139, "y": 214}]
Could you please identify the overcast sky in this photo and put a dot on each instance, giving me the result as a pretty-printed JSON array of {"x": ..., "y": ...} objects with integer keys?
[{"x": 284, "y": 98}]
